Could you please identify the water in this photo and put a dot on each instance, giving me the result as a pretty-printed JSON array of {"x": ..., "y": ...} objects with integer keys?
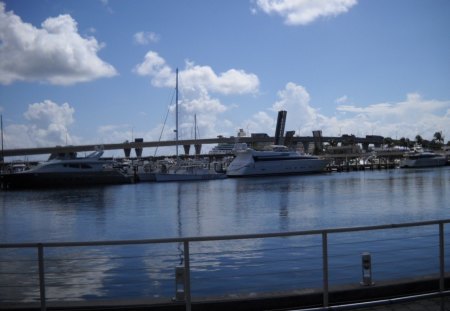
[{"x": 222, "y": 207}]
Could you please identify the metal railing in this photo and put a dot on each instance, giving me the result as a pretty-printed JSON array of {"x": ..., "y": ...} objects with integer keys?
[{"x": 332, "y": 252}]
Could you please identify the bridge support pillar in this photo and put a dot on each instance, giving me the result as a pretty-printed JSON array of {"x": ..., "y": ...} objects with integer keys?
[{"x": 187, "y": 148}]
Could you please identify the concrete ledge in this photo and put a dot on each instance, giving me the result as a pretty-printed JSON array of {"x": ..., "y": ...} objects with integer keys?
[{"x": 308, "y": 298}]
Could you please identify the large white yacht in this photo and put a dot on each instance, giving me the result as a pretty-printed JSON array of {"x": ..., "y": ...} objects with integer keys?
[
  {"x": 420, "y": 158},
  {"x": 66, "y": 169},
  {"x": 279, "y": 160}
]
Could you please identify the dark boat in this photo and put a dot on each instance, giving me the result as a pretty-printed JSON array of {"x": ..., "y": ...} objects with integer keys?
[{"x": 66, "y": 169}]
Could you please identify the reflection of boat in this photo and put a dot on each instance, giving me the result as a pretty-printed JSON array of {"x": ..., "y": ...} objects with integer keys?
[
  {"x": 189, "y": 170},
  {"x": 65, "y": 169},
  {"x": 420, "y": 158},
  {"x": 277, "y": 161}
]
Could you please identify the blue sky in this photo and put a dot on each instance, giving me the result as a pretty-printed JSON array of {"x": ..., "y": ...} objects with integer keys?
[{"x": 87, "y": 72}]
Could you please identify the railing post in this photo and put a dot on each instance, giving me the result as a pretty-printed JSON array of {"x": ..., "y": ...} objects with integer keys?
[
  {"x": 325, "y": 268},
  {"x": 441, "y": 264},
  {"x": 41, "y": 276},
  {"x": 187, "y": 280}
]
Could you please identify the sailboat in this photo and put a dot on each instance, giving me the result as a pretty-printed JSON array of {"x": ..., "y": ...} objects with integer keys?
[{"x": 186, "y": 170}]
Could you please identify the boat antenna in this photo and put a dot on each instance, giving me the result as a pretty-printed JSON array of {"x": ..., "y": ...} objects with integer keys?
[{"x": 176, "y": 111}]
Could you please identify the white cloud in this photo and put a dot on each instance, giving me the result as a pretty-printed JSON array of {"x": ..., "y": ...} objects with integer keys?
[
  {"x": 195, "y": 78},
  {"x": 303, "y": 12},
  {"x": 54, "y": 53},
  {"x": 145, "y": 38},
  {"x": 342, "y": 99},
  {"x": 197, "y": 84},
  {"x": 155, "y": 67},
  {"x": 48, "y": 125},
  {"x": 415, "y": 115}
]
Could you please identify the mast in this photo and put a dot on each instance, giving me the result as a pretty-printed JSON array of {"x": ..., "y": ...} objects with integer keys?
[
  {"x": 1, "y": 128},
  {"x": 195, "y": 126},
  {"x": 176, "y": 111}
]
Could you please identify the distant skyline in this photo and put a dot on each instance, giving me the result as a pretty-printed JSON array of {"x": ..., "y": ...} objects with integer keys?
[{"x": 92, "y": 72}]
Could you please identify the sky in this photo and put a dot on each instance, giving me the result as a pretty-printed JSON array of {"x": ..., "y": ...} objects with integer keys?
[{"x": 95, "y": 72}]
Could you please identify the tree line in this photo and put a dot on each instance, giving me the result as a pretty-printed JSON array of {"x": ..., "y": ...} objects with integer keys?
[{"x": 435, "y": 143}]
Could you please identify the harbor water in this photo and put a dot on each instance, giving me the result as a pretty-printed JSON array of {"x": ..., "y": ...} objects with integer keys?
[{"x": 223, "y": 207}]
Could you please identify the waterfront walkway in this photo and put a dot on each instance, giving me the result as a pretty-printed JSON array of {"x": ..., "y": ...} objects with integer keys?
[
  {"x": 421, "y": 305},
  {"x": 425, "y": 289}
]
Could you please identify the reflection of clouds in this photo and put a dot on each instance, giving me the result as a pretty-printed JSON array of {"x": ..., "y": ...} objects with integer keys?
[
  {"x": 73, "y": 275},
  {"x": 19, "y": 281},
  {"x": 159, "y": 264}
]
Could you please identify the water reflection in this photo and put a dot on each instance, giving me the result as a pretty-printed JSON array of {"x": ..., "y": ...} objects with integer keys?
[{"x": 231, "y": 206}]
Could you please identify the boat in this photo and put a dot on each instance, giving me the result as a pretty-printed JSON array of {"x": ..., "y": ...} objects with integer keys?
[
  {"x": 419, "y": 158},
  {"x": 278, "y": 160},
  {"x": 222, "y": 149},
  {"x": 226, "y": 149},
  {"x": 146, "y": 171},
  {"x": 193, "y": 170},
  {"x": 66, "y": 169}
]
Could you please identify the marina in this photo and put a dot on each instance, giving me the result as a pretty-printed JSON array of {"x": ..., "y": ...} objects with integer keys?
[
  {"x": 148, "y": 160},
  {"x": 283, "y": 154}
]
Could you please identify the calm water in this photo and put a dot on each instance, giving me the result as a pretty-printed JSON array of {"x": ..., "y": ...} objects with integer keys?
[{"x": 221, "y": 207}]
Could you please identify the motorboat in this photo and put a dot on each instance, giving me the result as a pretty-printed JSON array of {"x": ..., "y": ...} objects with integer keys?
[
  {"x": 188, "y": 171},
  {"x": 420, "y": 158},
  {"x": 66, "y": 169},
  {"x": 278, "y": 160}
]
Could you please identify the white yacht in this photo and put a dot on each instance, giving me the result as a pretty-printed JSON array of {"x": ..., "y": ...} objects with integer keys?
[
  {"x": 279, "y": 160},
  {"x": 420, "y": 158},
  {"x": 66, "y": 169},
  {"x": 223, "y": 149}
]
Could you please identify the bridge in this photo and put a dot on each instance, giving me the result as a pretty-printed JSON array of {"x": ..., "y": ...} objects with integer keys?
[{"x": 139, "y": 144}]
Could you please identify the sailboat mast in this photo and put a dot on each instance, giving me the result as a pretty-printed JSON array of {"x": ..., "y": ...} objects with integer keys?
[
  {"x": 176, "y": 111},
  {"x": 195, "y": 126},
  {"x": 1, "y": 126}
]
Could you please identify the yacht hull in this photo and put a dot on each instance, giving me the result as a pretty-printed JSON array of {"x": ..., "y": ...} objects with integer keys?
[
  {"x": 417, "y": 163},
  {"x": 261, "y": 163},
  {"x": 54, "y": 180}
]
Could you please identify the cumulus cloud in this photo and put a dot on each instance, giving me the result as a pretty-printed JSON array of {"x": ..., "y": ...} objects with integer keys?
[
  {"x": 410, "y": 117},
  {"x": 197, "y": 78},
  {"x": 199, "y": 87},
  {"x": 144, "y": 38},
  {"x": 303, "y": 12},
  {"x": 47, "y": 125},
  {"x": 415, "y": 115},
  {"x": 155, "y": 67},
  {"x": 54, "y": 53}
]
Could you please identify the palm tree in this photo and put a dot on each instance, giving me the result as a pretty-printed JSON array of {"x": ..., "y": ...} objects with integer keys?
[
  {"x": 388, "y": 141},
  {"x": 419, "y": 139},
  {"x": 438, "y": 138}
]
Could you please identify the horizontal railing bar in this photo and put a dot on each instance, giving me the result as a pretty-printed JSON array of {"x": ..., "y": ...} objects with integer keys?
[{"x": 225, "y": 237}]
